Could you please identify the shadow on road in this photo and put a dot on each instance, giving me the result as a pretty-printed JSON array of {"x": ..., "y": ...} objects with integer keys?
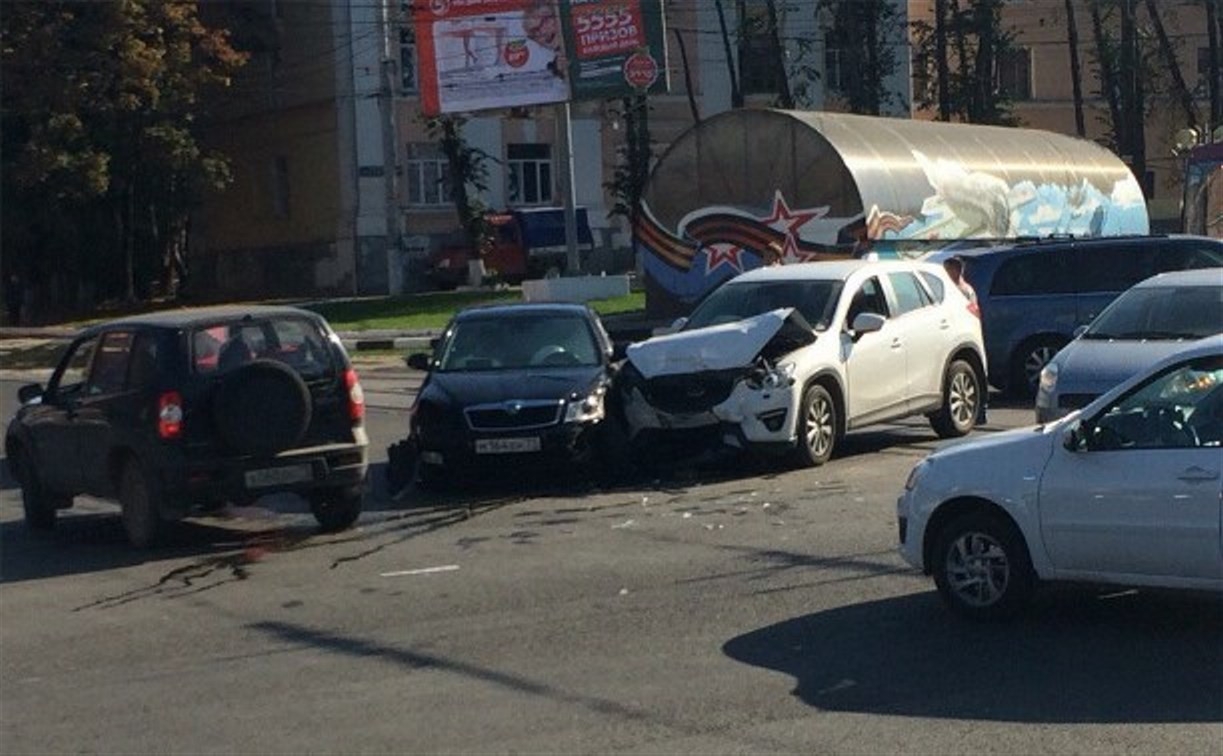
[
  {"x": 1074, "y": 658},
  {"x": 96, "y": 542}
]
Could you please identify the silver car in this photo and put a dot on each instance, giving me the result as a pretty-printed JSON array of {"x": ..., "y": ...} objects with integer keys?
[{"x": 1145, "y": 324}]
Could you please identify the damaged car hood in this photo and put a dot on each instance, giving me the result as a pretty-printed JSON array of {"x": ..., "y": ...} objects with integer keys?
[{"x": 722, "y": 347}]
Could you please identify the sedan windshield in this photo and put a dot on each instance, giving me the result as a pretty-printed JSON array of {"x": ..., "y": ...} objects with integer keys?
[
  {"x": 516, "y": 342},
  {"x": 736, "y": 301},
  {"x": 1163, "y": 312}
]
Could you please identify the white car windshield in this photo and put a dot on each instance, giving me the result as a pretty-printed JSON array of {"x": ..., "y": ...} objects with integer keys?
[
  {"x": 515, "y": 342},
  {"x": 816, "y": 300},
  {"x": 1161, "y": 312}
]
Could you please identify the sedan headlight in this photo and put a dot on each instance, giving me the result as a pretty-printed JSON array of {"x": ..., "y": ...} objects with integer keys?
[
  {"x": 588, "y": 409},
  {"x": 915, "y": 474},
  {"x": 1048, "y": 377}
]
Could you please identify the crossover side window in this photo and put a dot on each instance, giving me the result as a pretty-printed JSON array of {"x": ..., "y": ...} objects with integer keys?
[
  {"x": 910, "y": 295},
  {"x": 869, "y": 298},
  {"x": 71, "y": 375}
]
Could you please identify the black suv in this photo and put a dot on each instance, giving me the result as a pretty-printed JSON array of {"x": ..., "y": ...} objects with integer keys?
[{"x": 182, "y": 411}]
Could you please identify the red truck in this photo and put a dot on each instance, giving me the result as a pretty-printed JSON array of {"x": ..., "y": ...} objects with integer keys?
[{"x": 527, "y": 243}]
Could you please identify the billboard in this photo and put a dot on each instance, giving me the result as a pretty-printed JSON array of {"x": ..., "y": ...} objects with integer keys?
[
  {"x": 485, "y": 54},
  {"x": 615, "y": 48},
  {"x": 489, "y": 54}
]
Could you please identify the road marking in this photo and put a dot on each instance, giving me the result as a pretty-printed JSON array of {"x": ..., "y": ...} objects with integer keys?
[{"x": 422, "y": 571}]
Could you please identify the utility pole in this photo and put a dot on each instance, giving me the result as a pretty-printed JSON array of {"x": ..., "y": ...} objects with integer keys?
[
  {"x": 564, "y": 133},
  {"x": 389, "y": 20}
]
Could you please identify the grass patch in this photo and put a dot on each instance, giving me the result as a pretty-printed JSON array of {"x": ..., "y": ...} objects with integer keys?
[
  {"x": 22, "y": 354},
  {"x": 427, "y": 312}
]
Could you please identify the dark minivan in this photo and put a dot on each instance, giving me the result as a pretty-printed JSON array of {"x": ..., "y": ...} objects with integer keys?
[
  {"x": 180, "y": 411},
  {"x": 1033, "y": 295}
]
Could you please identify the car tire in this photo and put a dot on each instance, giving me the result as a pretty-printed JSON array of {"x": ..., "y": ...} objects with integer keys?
[
  {"x": 962, "y": 396},
  {"x": 981, "y": 567},
  {"x": 817, "y": 427},
  {"x": 38, "y": 504},
  {"x": 140, "y": 505},
  {"x": 1027, "y": 362},
  {"x": 336, "y": 509}
]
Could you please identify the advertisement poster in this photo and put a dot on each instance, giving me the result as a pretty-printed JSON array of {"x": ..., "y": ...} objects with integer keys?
[
  {"x": 616, "y": 48},
  {"x": 486, "y": 54}
]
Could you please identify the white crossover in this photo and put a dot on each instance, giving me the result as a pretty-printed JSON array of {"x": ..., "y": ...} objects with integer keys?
[{"x": 789, "y": 358}]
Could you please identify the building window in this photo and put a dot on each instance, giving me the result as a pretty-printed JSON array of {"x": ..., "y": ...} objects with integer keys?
[
  {"x": 407, "y": 61},
  {"x": 1015, "y": 73},
  {"x": 834, "y": 78},
  {"x": 923, "y": 78},
  {"x": 530, "y": 173},
  {"x": 428, "y": 175},
  {"x": 280, "y": 186},
  {"x": 758, "y": 55},
  {"x": 1204, "y": 69}
]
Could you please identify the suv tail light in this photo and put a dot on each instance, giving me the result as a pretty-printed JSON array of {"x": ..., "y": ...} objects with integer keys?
[
  {"x": 170, "y": 415},
  {"x": 356, "y": 396},
  {"x": 974, "y": 309}
]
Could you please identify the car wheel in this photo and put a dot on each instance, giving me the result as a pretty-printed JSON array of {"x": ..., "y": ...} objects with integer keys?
[
  {"x": 961, "y": 401},
  {"x": 817, "y": 427},
  {"x": 1028, "y": 361},
  {"x": 981, "y": 567},
  {"x": 140, "y": 501},
  {"x": 39, "y": 505},
  {"x": 336, "y": 509}
]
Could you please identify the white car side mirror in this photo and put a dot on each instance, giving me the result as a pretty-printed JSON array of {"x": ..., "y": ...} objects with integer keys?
[
  {"x": 867, "y": 322},
  {"x": 675, "y": 327}
]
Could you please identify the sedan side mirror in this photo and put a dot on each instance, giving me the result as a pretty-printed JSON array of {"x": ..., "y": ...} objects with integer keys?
[
  {"x": 419, "y": 361},
  {"x": 30, "y": 393},
  {"x": 867, "y": 322},
  {"x": 1075, "y": 438}
]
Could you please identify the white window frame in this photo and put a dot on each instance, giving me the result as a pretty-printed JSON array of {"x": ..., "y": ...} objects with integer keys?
[
  {"x": 417, "y": 167},
  {"x": 408, "y": 68},
  {"x": 521, "y": 167}
]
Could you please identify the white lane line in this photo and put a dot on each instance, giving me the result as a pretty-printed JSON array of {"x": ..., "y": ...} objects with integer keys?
[{"x": 422, "y": 571}]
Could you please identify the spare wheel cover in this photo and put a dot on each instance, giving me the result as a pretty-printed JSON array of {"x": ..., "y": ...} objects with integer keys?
[{"x": 262, "y": 408}]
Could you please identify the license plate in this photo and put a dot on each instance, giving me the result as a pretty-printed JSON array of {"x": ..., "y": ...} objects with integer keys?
[
  {"x": 279, "y": 476},
  {"x": 507, "y": 445}
]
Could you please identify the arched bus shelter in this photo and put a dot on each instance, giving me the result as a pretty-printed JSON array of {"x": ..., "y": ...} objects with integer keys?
[{"x": 747, "y": 187}]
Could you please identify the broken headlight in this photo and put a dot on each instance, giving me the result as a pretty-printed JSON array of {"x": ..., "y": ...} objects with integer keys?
[
  {"x": 767, "y": 376},
  {"x": 587, "y": 409}
]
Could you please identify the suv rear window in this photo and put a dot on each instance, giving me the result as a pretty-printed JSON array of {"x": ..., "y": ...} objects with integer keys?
[{"x": 295, "y": 342}]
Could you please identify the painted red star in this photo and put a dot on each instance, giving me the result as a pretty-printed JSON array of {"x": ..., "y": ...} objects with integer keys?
[
  {"x": 790, "y": 221},
  {"x": 791, "y": 253},
  {"x": 723, "y": 254}
]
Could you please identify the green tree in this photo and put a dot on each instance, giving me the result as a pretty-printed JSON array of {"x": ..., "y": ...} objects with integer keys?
[
  {"x": 966, "y": 47},
  {"x": 467, "y": 180},
  {"x": 865, "y": 36},
  {"x": 101, "y": 158}
]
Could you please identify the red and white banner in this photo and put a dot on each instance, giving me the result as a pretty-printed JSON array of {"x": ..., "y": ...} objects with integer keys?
[{"x": 484, "y": 54}]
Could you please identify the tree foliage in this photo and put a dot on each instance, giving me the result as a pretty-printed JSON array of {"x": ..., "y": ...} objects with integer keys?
[
  {"x": 467, "y": 180},
  {"x": 968, "y": 44},
  {"x": 101, "y": 156},
  {"x": 866, "y": 35}
]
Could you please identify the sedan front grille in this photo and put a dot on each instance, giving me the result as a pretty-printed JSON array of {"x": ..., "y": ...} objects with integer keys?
[{"x": 514, "y": 415}]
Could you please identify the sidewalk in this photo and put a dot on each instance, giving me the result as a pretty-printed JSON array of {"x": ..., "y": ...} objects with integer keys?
[{"x": 353, "y": 340}]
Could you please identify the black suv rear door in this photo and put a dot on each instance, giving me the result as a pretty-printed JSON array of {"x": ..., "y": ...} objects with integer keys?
[{"x": 105, "y": 411}]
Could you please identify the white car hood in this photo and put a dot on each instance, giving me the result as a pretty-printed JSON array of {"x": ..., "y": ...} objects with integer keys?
[{"x": 719, "y": 347}]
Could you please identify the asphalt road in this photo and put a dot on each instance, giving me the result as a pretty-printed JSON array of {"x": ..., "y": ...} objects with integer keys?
[{"x": 726, "y": 609}]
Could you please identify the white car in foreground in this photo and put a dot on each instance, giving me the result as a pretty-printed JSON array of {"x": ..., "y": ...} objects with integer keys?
[
  {"x": 788, "y": 358},
  {"x": 1127, "y": 491}
]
